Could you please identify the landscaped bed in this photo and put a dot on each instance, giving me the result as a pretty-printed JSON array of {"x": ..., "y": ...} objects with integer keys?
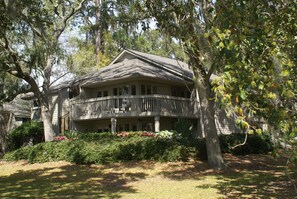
[{"x": 102, "y": 148}]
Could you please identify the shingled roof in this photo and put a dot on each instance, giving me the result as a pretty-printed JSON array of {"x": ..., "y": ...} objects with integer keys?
[
  {"x": 131, "y": 63},
  {"x": 20, "y": 108}
]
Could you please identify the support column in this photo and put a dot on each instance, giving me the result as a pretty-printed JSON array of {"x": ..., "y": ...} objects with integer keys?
[
  {"x": 113, "y": 124},
  {"x": 200, "y": 129},
  {"x": 157, "y": 123}
]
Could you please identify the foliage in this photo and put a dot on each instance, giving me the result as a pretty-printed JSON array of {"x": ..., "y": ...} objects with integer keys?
[
  {"x": 259, "y": 76},
  {"x": 105, "y": 136},
  {"x": 27, "y": 133},
  {"x": 256, "y": 144},
  {"x": 184, "y": 128},
  {"x": 30, "y": 46},
  {"x": 168, "y": 134},
  {"x": 71, "y": 134},
  {"x": 136, "y": 133},
  {"x": 251, "y": 45},
  {"x": 116, "y": 150}
]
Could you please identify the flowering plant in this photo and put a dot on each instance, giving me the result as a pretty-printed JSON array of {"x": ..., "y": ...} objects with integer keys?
[
  {"x": 168, "y": 134},
  {"x": 138, "y": 133},
  {"x": 59, "y": 138}
]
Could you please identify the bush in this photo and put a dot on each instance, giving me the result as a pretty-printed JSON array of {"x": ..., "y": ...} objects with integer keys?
[
  {"x": 183, "y": 128},
  {"x": 120, "y": 149},
  {"x": 71, "y": 134},
  {"x": 168, "y": 134},
  {"x": 96, "y": 136},
  {"x": 256, "y": 144},
  {"x": 29, "y": 133}
]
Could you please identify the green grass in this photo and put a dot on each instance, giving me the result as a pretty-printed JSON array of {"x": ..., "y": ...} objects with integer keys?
[{"x": 255, "y": 176}]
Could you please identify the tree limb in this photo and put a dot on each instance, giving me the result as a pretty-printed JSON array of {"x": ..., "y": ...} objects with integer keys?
[
  {"x": 59, "y": 78},
  {"x": 67, "y": 17},
  {"x": 241, "y": 144}
]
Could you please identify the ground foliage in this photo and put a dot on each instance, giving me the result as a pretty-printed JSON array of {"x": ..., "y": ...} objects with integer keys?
[
  {"x": 102, "y": 148},
  {"x": 29, "y": 133}
]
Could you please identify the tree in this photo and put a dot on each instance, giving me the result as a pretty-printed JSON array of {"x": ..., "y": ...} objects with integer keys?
[
  {"x": 188, "y": 21},
  {"x": 258, "y": 44},
  {"x": 117, "y": 26},
  {"x": 249, "y": 44},
  {"x": 31, "y": 46}
]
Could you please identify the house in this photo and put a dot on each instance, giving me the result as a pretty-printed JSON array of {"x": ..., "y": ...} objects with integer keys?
[
  {"x": 16, "y": 113},
  {"x": 136, "y": 92}
]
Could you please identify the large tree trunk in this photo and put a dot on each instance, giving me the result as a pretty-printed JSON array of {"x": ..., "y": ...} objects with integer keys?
[
  {"x": 47, "y": 123},
  {"x": 44, "y": 101},
  {"x": 3, "y": 132},
  {"x": 206, "y": 99}
]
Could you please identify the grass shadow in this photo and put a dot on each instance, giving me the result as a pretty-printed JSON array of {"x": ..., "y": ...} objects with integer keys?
[
  {"x": 253, "y": 176},
  {"x": 68, "y": 181}
]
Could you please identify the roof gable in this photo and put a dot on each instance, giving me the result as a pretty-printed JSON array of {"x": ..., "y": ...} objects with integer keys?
[{"x": 174, "y": 66}]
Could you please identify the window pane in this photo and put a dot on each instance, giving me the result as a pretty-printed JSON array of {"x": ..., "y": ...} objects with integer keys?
[
  {"x": 99, "y": 94},
  {"x": 133, "y": 90},
  {"x": 115, "y": 91},
  {"x": 142, "y": 89},
  {"x": 154, "y": 90},
  {"x": 149, "y": 90}
]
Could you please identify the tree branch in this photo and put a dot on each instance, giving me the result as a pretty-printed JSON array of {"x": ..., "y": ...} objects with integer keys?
[
  {"x": 59, "y": 78},
  {"x": 19, "y": 73},
  {"x": 67, "y": 17}
]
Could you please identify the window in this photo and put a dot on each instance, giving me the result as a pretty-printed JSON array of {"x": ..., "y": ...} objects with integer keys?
[
  {"x": 149, "y": 90},
  {"x": 133, "y": 90},
  {"x": 126, "y": 90},
  {"x": 154, "y": 90},
  {"x": 173, "y": 93},
  {"x": 73, "y": 91},
  {"x": 115, "y": 91},
  {"x": 142, "y": 89},
  {"x": 99, "y": 94},
  {"x": 105, "y": 93}
]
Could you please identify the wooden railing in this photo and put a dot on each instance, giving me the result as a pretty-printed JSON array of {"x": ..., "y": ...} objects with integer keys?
[{"x": 126, "y": 106}]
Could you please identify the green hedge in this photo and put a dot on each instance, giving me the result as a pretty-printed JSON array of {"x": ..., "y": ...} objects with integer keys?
[
  {"x": 27, "y": 133},
  {"x": 83, "y": 152},
  {"x": 255, "y": 144},
  {"x": 102, "y": 148}
]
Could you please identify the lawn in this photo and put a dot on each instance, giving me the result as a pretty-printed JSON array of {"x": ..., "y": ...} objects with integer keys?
[{"x": 253, "y": 176}]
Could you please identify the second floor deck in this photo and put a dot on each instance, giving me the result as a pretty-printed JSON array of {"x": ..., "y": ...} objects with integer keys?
[{"x": 133, "y": 106}]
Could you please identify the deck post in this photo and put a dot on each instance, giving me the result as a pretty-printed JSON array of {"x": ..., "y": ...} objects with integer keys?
[
  {"x": 157, "y": 123},
  {"x": 113, "y": 124}
]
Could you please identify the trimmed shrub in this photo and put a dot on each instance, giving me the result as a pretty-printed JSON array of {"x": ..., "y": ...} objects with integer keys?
[
  {"x": 29, "y": 133},
  {"x": 96, "y": 136},
  {"x": 168, "y": 134},
  {"x": 120, "y": 149},
  {"x": 183, "y": 128},
  {"x": 256, "y": 144},
  {"x": 71, "y": 134}
]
